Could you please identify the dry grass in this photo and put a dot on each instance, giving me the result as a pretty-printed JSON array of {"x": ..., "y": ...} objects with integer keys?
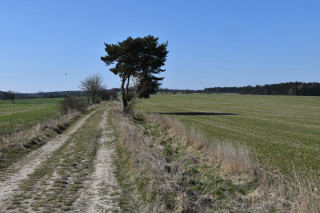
[
  {"x": 25, "y": 135},
  {"x": 160, "y": 190},
  {"x": 54, "y": 185},
  {"x": 275, "y": 191},
  {"x": 20, "y": 136},
  {"x": 232, "y": 159},
  {"x": 167, "y": 182},
  {"x": 278, "y": 193},
  {"x": 19, "y": 143}
]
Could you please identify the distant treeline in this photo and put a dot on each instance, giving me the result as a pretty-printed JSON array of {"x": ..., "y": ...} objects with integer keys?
[
  {"x": 60, "y": 94},
  {"x": 3, "y": 95},
  {"x": 175, "y": 91},
  {"x": 290, "y": 88}
]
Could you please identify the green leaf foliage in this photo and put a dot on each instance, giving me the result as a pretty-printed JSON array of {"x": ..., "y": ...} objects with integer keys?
[{"x": 139, "y": 58}]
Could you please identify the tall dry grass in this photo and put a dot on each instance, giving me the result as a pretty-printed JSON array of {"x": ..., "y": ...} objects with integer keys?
[
  {"x": 300, "y": 193},
  {"x": 233, "y": 159},
  {"x": 271, "y": 190},
  {"x": 161, "y": 180},
  {"x": 20, "y": 137},
  {"x": 18, "y": 143}
]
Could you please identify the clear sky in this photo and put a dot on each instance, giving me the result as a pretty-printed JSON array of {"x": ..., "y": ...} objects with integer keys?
[{"x": 211, "y": 42}]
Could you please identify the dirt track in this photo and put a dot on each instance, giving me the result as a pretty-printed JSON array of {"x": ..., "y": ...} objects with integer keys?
[{"x": 72, "y": 172}]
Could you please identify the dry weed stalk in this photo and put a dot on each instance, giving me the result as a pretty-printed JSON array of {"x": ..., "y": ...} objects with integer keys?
[
  {"x": 301, "y": 194},
  {"x": 233, "y": 159},
  {"x": 273, "y": 191},
  {"x": 163, "y": 178},
  {"x": 20, "y": 138}
]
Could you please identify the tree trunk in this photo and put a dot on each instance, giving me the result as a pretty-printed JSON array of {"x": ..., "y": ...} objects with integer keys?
[
  {"x": 127, "y": 86},
  {"x": 94, "y": 97},
  {"x": 123, "y": 93}
]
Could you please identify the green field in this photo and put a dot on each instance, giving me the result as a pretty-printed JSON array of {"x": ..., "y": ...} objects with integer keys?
[
  {"x": 25, "y": 113},
  {"x": 281, "y": 131}
]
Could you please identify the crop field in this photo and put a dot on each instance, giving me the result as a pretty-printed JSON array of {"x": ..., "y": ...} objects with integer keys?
[
  {"x": 25, "y": 113},
  {"x": 283, "y": 132}
]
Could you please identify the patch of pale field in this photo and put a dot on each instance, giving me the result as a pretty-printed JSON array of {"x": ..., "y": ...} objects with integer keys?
[{"x": 20, "y": 110}]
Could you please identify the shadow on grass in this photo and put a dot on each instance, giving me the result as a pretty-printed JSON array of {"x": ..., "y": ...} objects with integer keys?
[{"x": 195, "y": 113}]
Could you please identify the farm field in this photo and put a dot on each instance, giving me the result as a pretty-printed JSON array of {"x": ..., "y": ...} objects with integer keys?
[
  {"x": 25, "y": 113},
  {"x": 281, "y": 131}
]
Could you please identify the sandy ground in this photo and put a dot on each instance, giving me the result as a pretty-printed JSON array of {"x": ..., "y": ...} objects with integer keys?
[{"x": 101, "y": 191}]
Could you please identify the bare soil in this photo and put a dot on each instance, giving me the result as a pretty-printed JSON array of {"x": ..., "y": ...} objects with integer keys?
[
  {"x": 72, "y": 172},
  {"x": 103, "y": 192}
]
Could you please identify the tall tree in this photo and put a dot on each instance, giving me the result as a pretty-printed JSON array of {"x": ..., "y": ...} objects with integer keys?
[
  {"x": 10, "y": 95},
  {"x": 92, "y": 85},
  {"x": 139, "y": 58}
]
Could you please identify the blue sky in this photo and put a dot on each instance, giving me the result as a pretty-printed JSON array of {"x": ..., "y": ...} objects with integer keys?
[{"x": 211, "y": 43}]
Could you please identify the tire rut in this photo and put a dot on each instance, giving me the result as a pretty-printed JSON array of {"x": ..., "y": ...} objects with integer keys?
[
  {"x": 103, "y": 192},
  {"x": 14, "y": 175}
]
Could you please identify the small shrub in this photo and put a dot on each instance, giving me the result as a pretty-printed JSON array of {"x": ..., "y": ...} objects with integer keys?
[
  {"x": 71, "y": 104},
  {"x": 114, "y": 95},
  {"x": 98, "y": 100},
  {"x": 105, "y": 95}
]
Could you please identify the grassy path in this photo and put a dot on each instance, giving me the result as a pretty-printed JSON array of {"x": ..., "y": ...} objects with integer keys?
[
  {"x": 73, "y": 172},
  {"x": 103, "y": 192}
]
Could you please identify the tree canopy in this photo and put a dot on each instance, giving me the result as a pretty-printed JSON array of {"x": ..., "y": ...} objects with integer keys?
[
  {"x": 92, "y": 85},
  {"x": 140, "y": 59},
  {"x": 289, "y": 88},
  {"x": 10, "y": 95}
]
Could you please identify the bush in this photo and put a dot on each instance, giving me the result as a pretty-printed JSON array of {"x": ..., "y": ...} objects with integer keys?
[
  {"x": 71, "y": 104},
  {"x": 114, "y": 95},
  {"x": 98, "y": 100},
  {"x": 106, "y": 95}
]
